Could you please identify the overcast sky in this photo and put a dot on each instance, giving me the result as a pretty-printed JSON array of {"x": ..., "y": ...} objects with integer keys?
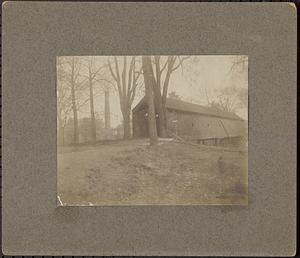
[{"x": 198, "y": 81}]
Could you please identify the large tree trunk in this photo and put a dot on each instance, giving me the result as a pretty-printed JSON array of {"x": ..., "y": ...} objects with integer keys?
[
  {"x": 125, "y": 109},
  {"x": 127, "y": 82},
  {"x": 149, "y": 83},
  {"x": 160, "y": 111},
  {"x": 164, "y": 98},
  {"x": 126, "y": 123},
  {"x": 160, "y": 97},
  {"x": 159, "y": 108},
  {"x": 161, "y": 128},
  {"x": 92, "y": 109}
]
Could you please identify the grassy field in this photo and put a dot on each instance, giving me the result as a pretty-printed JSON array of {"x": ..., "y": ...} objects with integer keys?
[{"x": 131, "y": 172}]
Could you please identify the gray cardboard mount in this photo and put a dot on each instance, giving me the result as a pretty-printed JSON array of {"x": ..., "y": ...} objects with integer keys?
[{"x": 34, "y": 33}]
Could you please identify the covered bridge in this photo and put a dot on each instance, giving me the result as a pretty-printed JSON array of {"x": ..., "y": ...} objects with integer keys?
[{"x": 190, "y": 121}]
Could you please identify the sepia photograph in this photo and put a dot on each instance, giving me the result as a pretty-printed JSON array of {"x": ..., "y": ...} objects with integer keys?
[
  {"x": 152, "y": 130},
  {"x": 167, "y": 130}
]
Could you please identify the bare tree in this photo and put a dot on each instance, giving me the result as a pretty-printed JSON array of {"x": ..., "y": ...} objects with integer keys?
[
  {"x": 75, "y": 85},
  {"x": 239, "y": 64},
  {"x": 126, "y": 78},
  {"x": 232, "y": 98},
  {"x": 73, "y": 80},
  {"x": 149, "y": 85},
  {"x": 63, "y": 102},
  {"x": 162, "y": 75},
  {"x": 93, "y": 72},
  {"x": 226, "y": 100}
]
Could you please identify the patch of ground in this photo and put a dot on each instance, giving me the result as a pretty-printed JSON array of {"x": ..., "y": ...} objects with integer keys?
[{"x": 132, "y": 172}]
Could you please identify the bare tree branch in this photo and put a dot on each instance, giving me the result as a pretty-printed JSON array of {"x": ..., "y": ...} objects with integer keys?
[
  {"x": 111, "y": 71},
  {"x": 181, "y": 60}
]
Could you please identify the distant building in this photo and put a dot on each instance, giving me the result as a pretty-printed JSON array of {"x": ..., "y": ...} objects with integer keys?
[{"x": 194, "y": 122}]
